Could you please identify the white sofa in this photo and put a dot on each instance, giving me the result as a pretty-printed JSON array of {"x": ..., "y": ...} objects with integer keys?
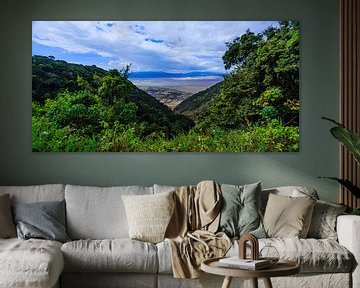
[{"x": 101, "y": 254}]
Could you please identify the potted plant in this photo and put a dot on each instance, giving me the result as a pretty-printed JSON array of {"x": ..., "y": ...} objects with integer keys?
[{"x": 351, "y": 141}]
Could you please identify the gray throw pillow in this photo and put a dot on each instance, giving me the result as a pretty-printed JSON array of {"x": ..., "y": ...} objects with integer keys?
[
  {"x": 240, "y": 213},
  {"x": 323, "y": 222},
  {"x": 7, "y": 226},
  {"x": 44, "y": 220}
]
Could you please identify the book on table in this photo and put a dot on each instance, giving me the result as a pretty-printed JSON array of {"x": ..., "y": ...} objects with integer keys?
[{"x": 249, "y": 264}]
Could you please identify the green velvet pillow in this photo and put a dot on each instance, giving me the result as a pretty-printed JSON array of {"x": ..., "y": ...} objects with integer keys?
[{"x": 240, "y": 213}]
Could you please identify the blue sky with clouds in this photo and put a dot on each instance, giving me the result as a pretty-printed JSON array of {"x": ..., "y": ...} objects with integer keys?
[{"x": 170, "y": 46}]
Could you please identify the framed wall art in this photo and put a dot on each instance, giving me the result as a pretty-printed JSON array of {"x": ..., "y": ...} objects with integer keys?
[{"x": 165, "y": 86}]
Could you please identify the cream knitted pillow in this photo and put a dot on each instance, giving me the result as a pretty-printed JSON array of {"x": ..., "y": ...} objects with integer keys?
[{"x": 149, "y": 215}]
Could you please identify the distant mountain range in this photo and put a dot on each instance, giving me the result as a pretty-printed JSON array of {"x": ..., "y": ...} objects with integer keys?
[{"x": 162, "y": 74}]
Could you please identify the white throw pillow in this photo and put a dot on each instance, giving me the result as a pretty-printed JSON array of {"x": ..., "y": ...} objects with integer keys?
[{"x": 149, "y": 215}]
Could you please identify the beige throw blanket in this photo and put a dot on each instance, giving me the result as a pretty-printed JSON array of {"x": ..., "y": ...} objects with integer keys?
[{"x": 191, "y": 231}]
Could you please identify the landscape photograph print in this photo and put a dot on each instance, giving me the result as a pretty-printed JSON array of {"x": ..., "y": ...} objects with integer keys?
[{"x": 165, "y": 86}]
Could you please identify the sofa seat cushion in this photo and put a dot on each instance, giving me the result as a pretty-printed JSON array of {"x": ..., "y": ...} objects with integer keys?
[
  {"x": 30, "y": 263},
  {"x": 313, "y": 255},
  {"x": 115, "y": 255}
]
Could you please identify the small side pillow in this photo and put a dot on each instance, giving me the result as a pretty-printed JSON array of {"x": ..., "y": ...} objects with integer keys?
[
  {"x": 288, "y": 217},
  {"x": 323, "y": 222},
  {"x": 240, "y": 213},
  {"x": 43, "y": 220},
  {"x": 149, "y": 215},
  {"x": 7, "y": 226}
]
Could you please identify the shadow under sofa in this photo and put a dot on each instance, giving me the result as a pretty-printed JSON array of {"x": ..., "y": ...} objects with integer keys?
[{"x": 102, "y": 255}]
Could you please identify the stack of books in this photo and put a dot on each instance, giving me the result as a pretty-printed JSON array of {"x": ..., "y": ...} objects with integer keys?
[{"x": 248, "y": 264}]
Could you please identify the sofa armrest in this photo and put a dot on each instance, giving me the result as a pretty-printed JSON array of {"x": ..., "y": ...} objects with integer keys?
[{"x": 348, "y": 230}]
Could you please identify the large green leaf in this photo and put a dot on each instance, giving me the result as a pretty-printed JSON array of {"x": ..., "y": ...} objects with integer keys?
[
  {"x": 348, "y": 185},
  {"x": 348, "y": 138}
]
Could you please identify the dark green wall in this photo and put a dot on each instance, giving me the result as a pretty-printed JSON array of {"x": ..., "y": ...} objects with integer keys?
[{"x": 318, "y": 89}]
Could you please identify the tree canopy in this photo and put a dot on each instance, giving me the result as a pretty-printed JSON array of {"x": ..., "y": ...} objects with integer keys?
[{"x": 263, "y": 80}]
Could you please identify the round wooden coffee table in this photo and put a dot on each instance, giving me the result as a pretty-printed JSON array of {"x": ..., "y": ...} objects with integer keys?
[{"x": 281, "y": 268}]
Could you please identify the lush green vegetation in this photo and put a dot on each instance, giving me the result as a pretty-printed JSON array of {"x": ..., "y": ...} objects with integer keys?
[{"x": 255, "y": 108}]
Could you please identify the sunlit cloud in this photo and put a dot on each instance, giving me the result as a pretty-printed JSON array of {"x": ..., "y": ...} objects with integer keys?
[{"x": 171, "y": 46}]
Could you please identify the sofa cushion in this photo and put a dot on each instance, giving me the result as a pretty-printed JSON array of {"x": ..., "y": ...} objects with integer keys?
[
  {"x": 314, "y": 255},
  {"x": 7, "y": 226},
  {"x": 109, "y": 280},
  {"x": 35, "y": 193},
  {"x": 323, "y": 222},
  {"x": 30, "y": 263},
  {"x": 287, "y": 216},
  {"x": 116, "y": 255},
  {"x": 291, "y": 191},
  {"x": 164, "y": 257},
  {"x": 240, "y": 210},
  {"x": 43, "y": 220},
  {"x": 98, "y": 212},
  {"x": 149, "y": 215},
  {"x": 163, "y": 188}
]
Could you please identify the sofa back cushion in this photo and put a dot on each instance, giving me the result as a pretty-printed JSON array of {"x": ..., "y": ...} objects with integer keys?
[
  {"x": 98, "y": 212},
  {"x": 7, "y": 226},
  {"x": 35, "y": 193}
]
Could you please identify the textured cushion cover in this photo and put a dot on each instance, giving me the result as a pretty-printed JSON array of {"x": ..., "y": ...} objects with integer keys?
[
  {"x": 323, "y": 223},
  {"x": 149, "y": 215},
  {"x": 33, "y": 263},
  {"x": 7, "y": 226},
  {"x": 98, "y": 212},
  {"x": 44, "y": 220},
  {"x": 109, "y": 280},
  {"x": 313, "y": 255},
  {"x": 117, "y": 255},
  {"x": 287, "y": 216},
  {"x": 240, "y": 213},
  {"x": 348, "y": 228},
  {"x": 34, "y": 193}
]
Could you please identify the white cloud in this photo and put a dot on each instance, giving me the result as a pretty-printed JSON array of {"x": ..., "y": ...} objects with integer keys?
[{"x": 148, "y": 45}]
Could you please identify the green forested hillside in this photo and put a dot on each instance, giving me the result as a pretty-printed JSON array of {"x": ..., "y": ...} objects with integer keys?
[
  {"x": 190, "y": 107},
  {"x": 260, "y": 91},
  {"x": 50, "y": 77},
  {"x": 263, "y": 83},
  {"x": 77, "y": 108},
  {"x": 255, "y": 108}
]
